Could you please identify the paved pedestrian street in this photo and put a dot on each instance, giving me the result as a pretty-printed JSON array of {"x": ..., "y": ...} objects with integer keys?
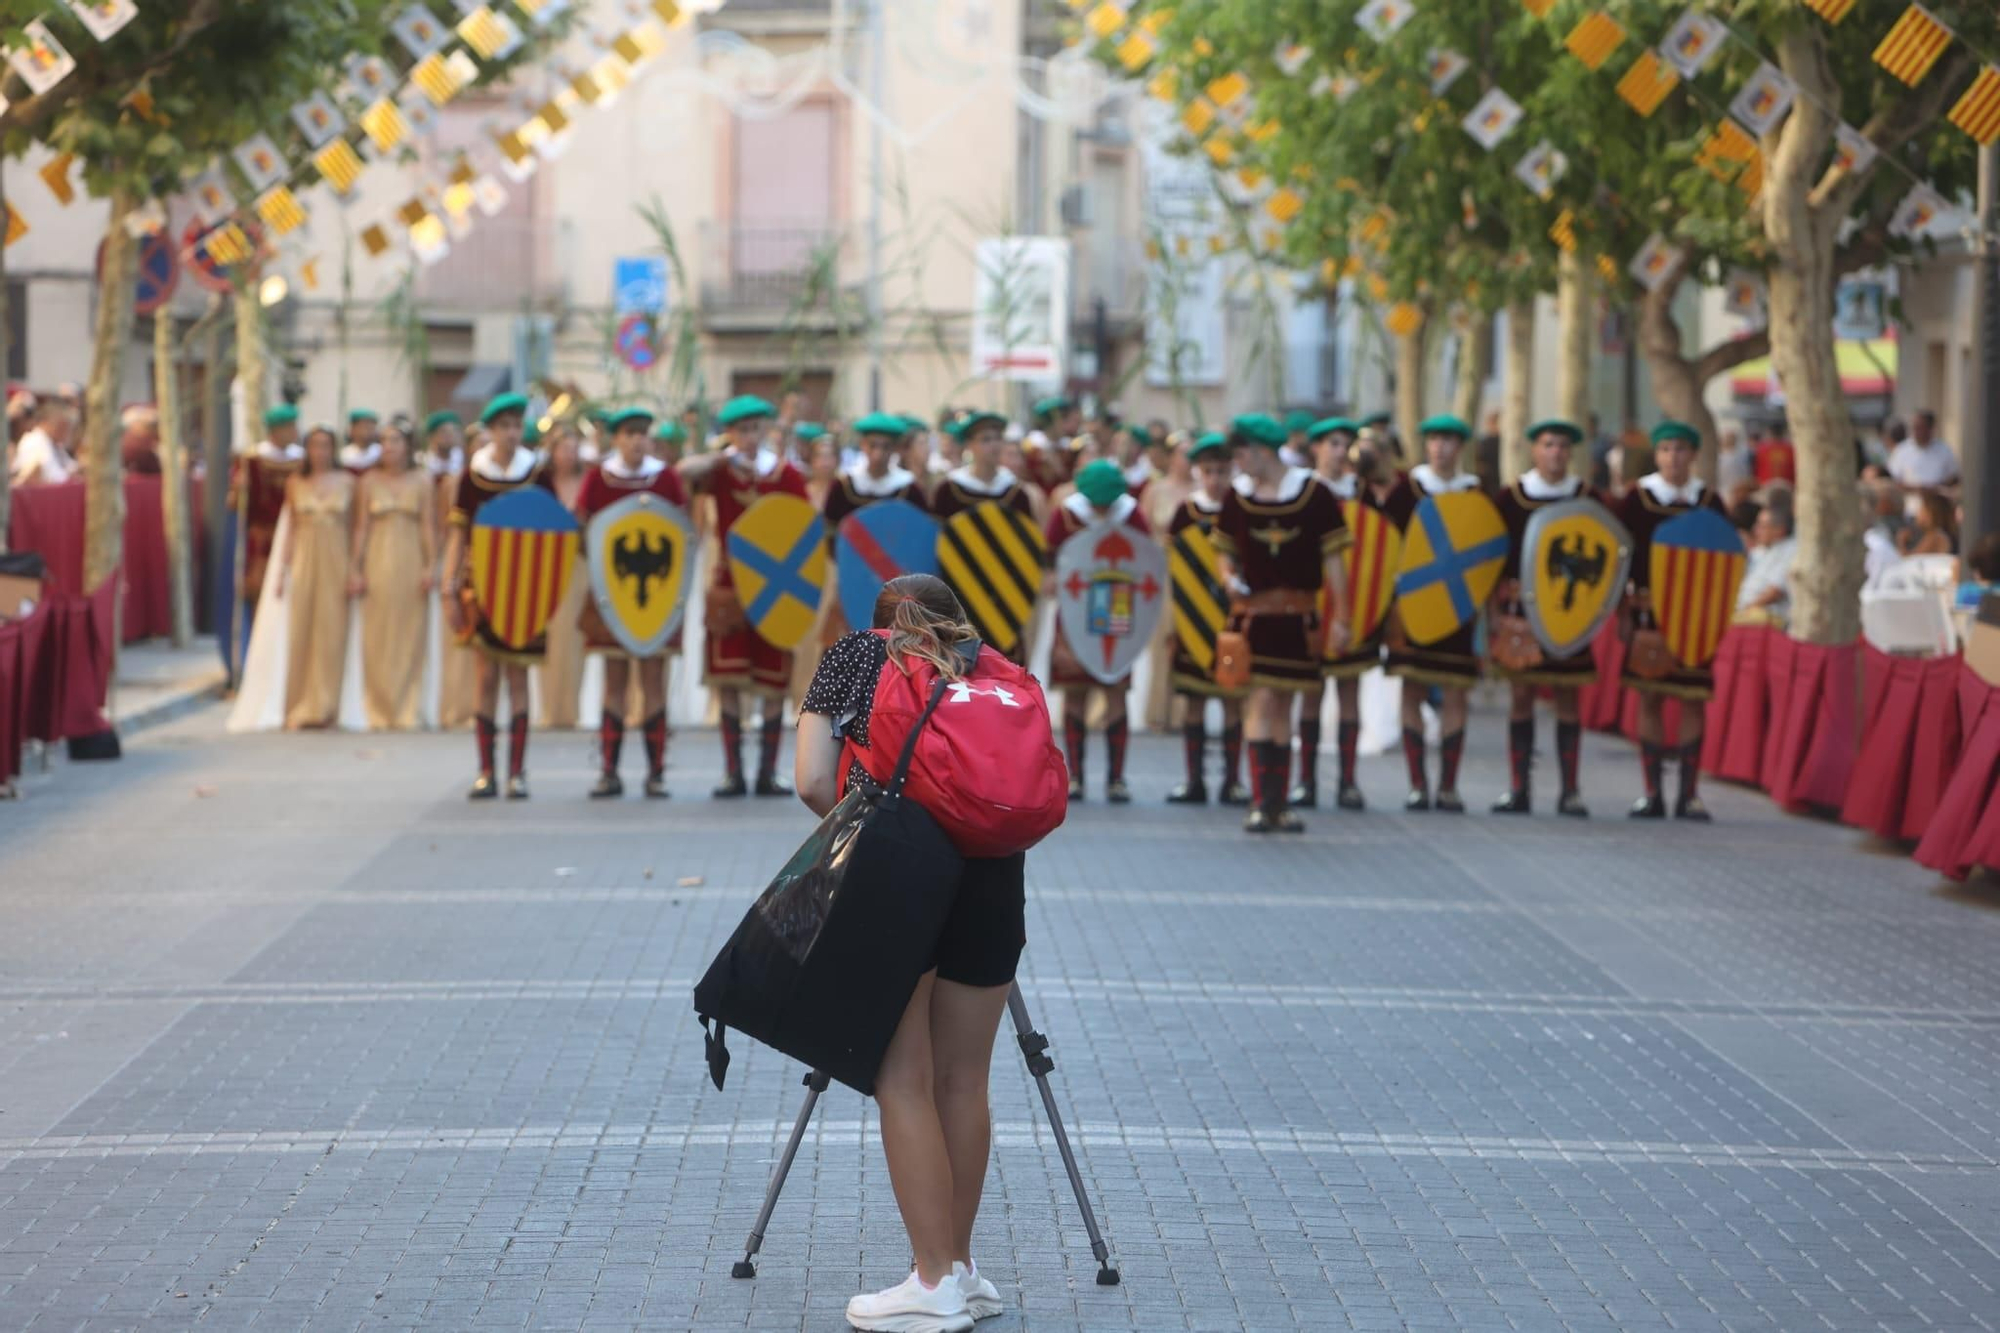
[{"x": 291, "y": 1035}]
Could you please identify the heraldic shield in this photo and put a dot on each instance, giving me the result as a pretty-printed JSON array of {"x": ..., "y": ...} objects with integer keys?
[
  {"x": 1575, "y": 559},
  {"x": 1697, "y": 565},
  {"x": 992, "y": 558},
  {"x": 884, "y": 541},
  {"x": 1111, "y": 590},
  {"x": 1201, "y": 606},
  {"x": 640, "y": 552},
  {"x": 1453, "y": 552},
  {"x": 777, "y": 562},
  {"x": 524, "y": 546}
]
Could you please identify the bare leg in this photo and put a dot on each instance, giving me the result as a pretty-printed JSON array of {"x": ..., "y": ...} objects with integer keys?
[
  {"x": 486, "y": 685},
  {"x": 964, "y": 1022},
  {"x": 913, "y": 1139}
]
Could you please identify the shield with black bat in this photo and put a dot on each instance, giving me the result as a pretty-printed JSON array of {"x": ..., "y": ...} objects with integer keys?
[
  {"x": 1575, "y": 559},
  {"x": 641, "y": 557}
]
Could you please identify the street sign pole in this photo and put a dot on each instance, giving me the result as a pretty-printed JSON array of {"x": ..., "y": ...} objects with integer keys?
[{"x": 1981, "y": 445}]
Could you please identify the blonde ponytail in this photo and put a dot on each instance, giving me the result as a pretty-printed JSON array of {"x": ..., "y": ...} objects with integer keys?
[{"x": 925, "y": 623}]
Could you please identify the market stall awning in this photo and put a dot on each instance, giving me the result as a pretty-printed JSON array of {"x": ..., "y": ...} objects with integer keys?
[{"x": 1867, "y": 370}]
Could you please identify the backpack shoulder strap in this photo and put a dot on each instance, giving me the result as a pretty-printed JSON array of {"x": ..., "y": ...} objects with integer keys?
[{"x": 902, "y": 773}]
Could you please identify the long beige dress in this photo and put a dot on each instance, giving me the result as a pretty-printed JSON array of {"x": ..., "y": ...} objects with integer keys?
[
  {"x": 457, "y": 671},
  {"x": 394, "y": 611},
  {"x": 316, "y": 592}
]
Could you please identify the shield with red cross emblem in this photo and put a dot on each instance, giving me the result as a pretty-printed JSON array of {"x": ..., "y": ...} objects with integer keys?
[{"x": 1111, "y": 590}]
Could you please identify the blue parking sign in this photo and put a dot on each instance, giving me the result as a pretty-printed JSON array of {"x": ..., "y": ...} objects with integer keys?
[{"x": 639, "y": 285}]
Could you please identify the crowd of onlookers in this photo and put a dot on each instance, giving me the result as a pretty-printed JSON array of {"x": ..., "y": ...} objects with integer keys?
[{"x": 46, "y": 431}]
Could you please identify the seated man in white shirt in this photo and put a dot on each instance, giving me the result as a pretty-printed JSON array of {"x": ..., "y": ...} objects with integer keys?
[
  {"x": 1767, "y": 582},
  {"x": 42, "y": 457},
  {"x": 1923, "y": 462},
  {"x": 1881, "y": 508}
]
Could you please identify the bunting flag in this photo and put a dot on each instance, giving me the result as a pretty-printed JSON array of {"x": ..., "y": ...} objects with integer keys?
[
  {"x": 1228, "y": 94},
  {"x": 1655, "y": 260},
  {"x": 1918, "y": 211},
  {"x": 374, "y": 239},
  {"x": 104, "y": 17},
  {"x": 55, "y": 174},
  {"x": 1105, "y": 19},
  {"x": 227, "y": 244},
  {"x": 1197, "y": 116},
  {"x": 1383, "y": 19},
  {"x": 428, "y": 239},
  {"x": 339, "y": 165},
  {"x": 212, "y": 198},
  {"x": 1852, "y": 150},
  {"x": 17, "y": 226},
  {"x": 1291, "y": 57},
  {"x": 1744, "y": 294},
  {"x": 1493, "y": 118},
  {"x": 1607, "y": 268},
  {"x": 1693, "y": 43},
  {"x": 1563, "y": 232},
  {"x": 1726, "y": 151},
  {"x": 1978, "y": 111},
  {"x": 436, "y": 78},
  {"x": 1913, "y": 45},
  {"x": 419, "y": 112},
  {"x": 370, "y": 76},
  {"x": 1137, "y": 50},
  {"x": 385, "y": 125},
  {"x": 490, "y": 195},
  {"x": 541, "y": 12},
  {"x": 492, "y": 35},
  {"x": 41, "y": 61},
  {"x": 1284, "y": 205},
  {"x": 1751, "y": 180},
  {"x": 1541, "y": 168},
  {"x": 318, "y": 119},
  {"x": 670, "y": 12},
  {"x": 1163, "y": 86},
  {"x": 261, "y": 163},
  {"x": 1404, "y": 319},
  {"x": 1764, "y": 100},
  {"x": 1445, "y": 67},
  {"x": 1647, "y": 83},
  {"x": 1833, "y": 11},
  {"x": 1593, "y": 40},
  {"x": 1539, "y": 8},
  {"x": 419, "y": 32},
  {"x": 279, "y": 208},
  {"x": 309, "y": 274}
]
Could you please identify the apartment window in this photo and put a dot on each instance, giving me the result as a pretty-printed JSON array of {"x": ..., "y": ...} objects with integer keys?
[{"x": 783, "y": 197}]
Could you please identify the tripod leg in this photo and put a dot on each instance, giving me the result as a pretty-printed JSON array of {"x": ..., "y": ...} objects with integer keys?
[
  {"x": 1034, "y": 1049},
  {"x": 815, "y": 1085}
]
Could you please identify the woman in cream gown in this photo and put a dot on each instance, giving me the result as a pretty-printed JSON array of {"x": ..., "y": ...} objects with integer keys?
[
  {"x": 395, "y": 563},
  {"x": 314, "y": 580}
]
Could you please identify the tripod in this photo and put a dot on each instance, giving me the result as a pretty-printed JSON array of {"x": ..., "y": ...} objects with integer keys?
[{"x": 1034, "y": 1049}]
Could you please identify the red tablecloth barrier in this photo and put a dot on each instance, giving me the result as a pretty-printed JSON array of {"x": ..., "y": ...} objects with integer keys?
[
  {"x": 1910, "y": 741},
  {"x": 55, "y": 670},
  {"x": 49, "y": 520},
  {"x": 1965, "y": 830},
  {"x": 1814, "y": 722},
  {"x": 1739, "y": 716}
]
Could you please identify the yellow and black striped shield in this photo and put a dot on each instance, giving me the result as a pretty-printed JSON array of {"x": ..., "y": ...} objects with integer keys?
[
  {"x": 992, "y": 558},
  {"x": 1201, "y": 608}
]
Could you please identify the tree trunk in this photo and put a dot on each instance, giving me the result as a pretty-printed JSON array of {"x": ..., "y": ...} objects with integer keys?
[
  {"x": 1410, "y": 389},
  {"x": 173, "y": 477},
  {"x": 1516, "y": 401},
  {"x": 1676, "y": 384},
  {"x": 103, "y": 474},
  {"x": 1475, "y": 359},
  {"x": 251, "y": 370},
  {"x": 1573, "y": 322}
]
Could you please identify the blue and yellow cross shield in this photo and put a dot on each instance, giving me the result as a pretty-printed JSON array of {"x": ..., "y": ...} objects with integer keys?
[
  {"x": 777, "y": 562},
  {"x": 1453, "y": 552}
]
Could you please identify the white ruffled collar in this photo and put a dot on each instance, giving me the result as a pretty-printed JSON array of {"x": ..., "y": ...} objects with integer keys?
[
  {"x": 1428, "y": 481},
  {"x": 763, "y": 465},
  {"x": 1294, "y": 484},
  {"x": 1140, "y": 473},
  {"x": 517, "y": 469},
  {"x": 271, "y": 453},
  {"x": 448, "y": 464},
  {"x": 368, "y": 455},
  {"x": 1535, "y": 488},
  {"x": 1083, "y": 511},
  {"x": 649, "y": 467},
  {"x": 1657, "y": 487},
  {"x": 1003, "y": 481},
  {"x": 897, "y": 480},
  {"x": 1344, "y": 487},
  {"x": 1204, "y": 504}
]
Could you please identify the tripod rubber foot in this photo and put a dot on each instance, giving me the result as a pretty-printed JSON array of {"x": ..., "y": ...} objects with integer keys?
[
  {"x": 744, "y": 1268},
  {"x": 1107, "y": 1277}
]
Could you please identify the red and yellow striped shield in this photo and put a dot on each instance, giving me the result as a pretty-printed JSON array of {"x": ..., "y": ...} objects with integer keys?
[
  {"x": 1697, "y": 564},
  {"x": 1372, "y": 560},
  {"x": 524, "y": 547}
]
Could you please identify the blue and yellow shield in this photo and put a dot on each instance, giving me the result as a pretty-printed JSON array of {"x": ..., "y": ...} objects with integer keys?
[
  {"x": 1453, "y": 552},
  {"x": 777, "y": 562}
]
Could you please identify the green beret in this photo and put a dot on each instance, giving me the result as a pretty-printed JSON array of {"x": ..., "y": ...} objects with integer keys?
[
  {"x": 503, "y": 404},
  {"x": 1375, "y": 419},
  {"x": 912, "y": 423},
  {"x": 748, "y": 407},
  {"x": 1101, "y": 483},
  {"x": 437, "y": 421},
  {"x": 531, "y": 433},
  {"x": 1445, "y": 424},
  {"x": 809, "y": 431},
  {"x": 362, "y": 414},
  {"x": 1676, "y": 430},
  {"x": 881, "y": 423},
  {"x": 1215, "y": 442},
  {"x": 284, "y": 414},
  {"x": 671, "y": 431},
  {"x": 1048, "y": 407},
  {"x": 1297, "y": 423},
  {"x": 1321, "y": 429},
  {"x": 625, "y": 416},
  {"x": 1141, "y": 435},
  {"x": 1258, "y": 428},
  {"x": 1567, "y": 429},
  {"x": 972, "y": 420}
]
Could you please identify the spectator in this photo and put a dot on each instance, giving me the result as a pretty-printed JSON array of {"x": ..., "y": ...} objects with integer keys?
[
  {"x": 1773, "y": 459},
  {"x": 1743, "y": 515},
  {"x": 1981, "y": 573},
  {"x": 1767, "y": 582},
  {"x": 1732, "y": 463},
  {"x": 42, "y": 457},
  {"x": 1882, "y": 511},
  {"x": 1932, "y": 529},
  {"x": 139, "y": 441},
  {"x": 1923, "y": 462}
]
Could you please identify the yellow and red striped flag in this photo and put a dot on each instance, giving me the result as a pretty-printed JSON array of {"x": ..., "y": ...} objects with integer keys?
[
  {"x": 227, "y": 245},
  {"x": 435, "y": 75},
  {"x": 385, "y": 125},
  {"x": 339, "y": 165},
  {"x": 375, "y": 238},
  {"x": 1912, "y": 46},
  {"x": 1833, "y": 11},
  {"x": 1539, "y": 8},
  {"x": 1197, "y": 116},
  {"x": 1563, "y": 232},
  {"x": 1593, "y": 40},
  {"x": 1647, "y": 83},
  {"x": 1607, "y": 268},
  {"x": 1726, "y": 150},
  {"x": 1752, "y": 179},
  {"x": 1978, "y": 111},
  {"x": 279, "y": 207}
]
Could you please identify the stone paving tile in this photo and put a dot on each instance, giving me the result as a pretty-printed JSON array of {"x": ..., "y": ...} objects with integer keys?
[{"x": 1396, "y": 1074}]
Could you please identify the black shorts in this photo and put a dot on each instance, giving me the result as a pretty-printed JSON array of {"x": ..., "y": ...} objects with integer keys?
[{"x": 988, "y": 926}]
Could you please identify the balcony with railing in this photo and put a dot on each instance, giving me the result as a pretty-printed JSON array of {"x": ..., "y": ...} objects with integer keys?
[{"x": 759, "y": 277}]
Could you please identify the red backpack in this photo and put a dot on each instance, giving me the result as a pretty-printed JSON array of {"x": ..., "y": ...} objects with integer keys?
[{"x": 987, "y": 767}]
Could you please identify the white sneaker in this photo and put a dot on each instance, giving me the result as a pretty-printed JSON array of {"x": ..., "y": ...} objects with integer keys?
[
  {"x": 911, "y": 1307},
  {"x": 982, "y": 1298}
]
